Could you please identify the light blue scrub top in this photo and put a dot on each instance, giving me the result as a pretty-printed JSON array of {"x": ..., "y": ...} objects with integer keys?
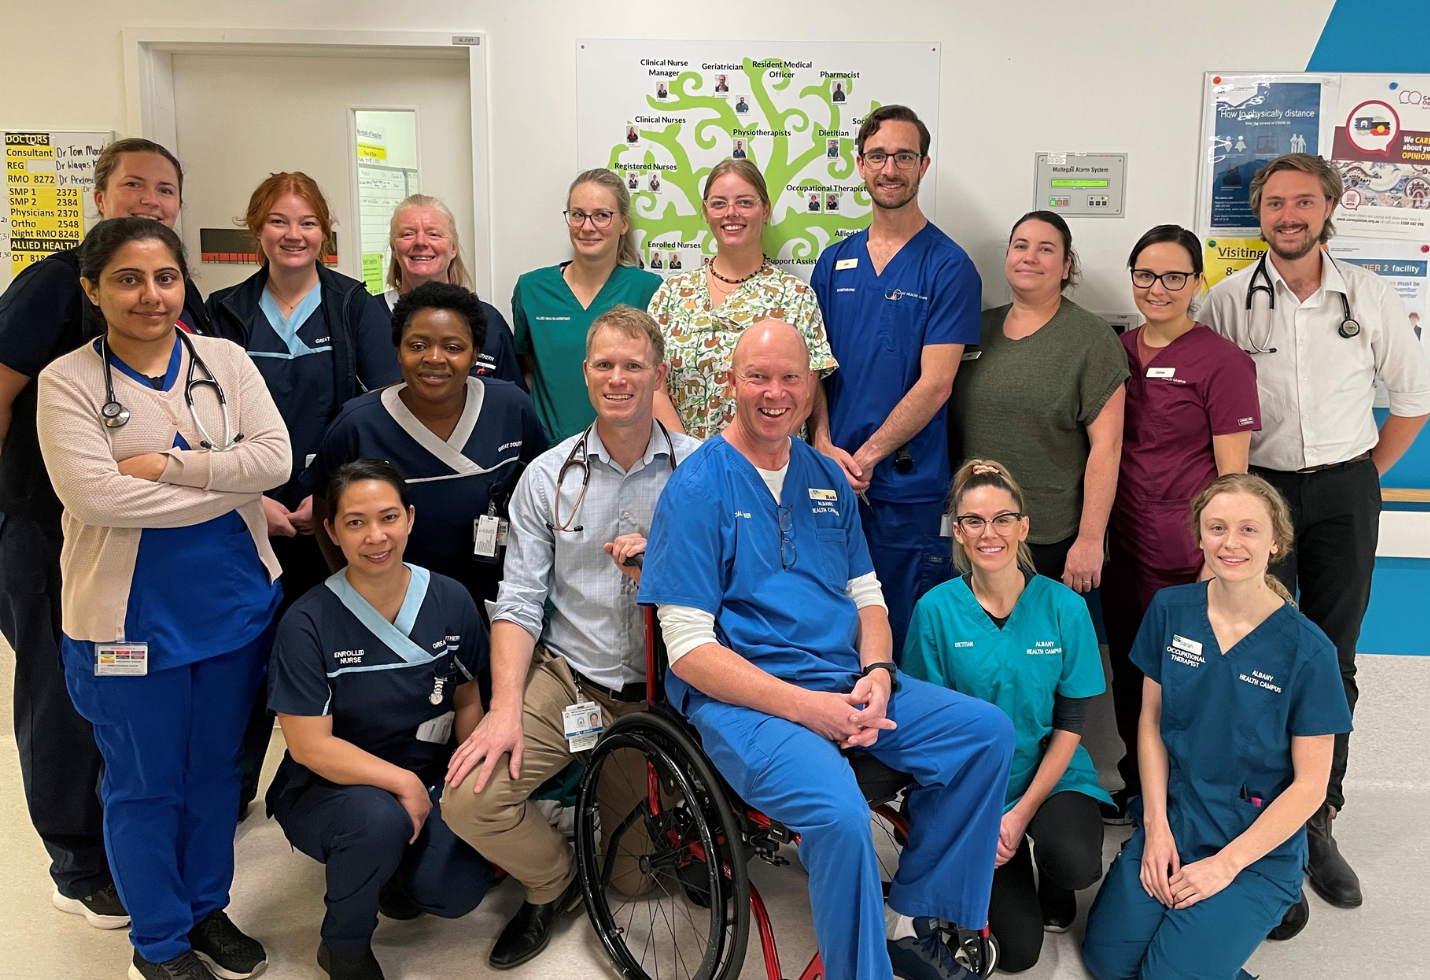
[
  {"x": 1228, "y": 718},
  {"x": 1048, "y": 646},
  {"x": 778, "y": 600}
]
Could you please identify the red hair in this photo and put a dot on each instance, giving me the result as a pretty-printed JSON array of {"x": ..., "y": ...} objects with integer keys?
[{"x": 266, "y": 195}]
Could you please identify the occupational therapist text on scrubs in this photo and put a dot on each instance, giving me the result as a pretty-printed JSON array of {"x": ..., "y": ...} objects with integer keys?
[{"x": 160, "y": 446}]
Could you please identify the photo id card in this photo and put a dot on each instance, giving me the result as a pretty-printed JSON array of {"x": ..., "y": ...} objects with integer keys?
[
  {"x": 485, "y": 531},
  {"x": 437, "y": 730},
  {"x": 582, "y": 724},
  {"x": 121, "y": 659}
]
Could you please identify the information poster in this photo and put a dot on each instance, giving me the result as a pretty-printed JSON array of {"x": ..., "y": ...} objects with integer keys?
[
  {"x": 1381, "y": 146},
  {"x": 49, "y": 180},
  {"x": 386, "y": 148},
  {"x": 1404, "y": 265},
  {"x": 1224, "y": 256},
  {"x": 663, "y": 113}
]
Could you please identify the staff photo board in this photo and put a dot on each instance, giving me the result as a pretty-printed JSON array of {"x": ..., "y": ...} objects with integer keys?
[{"x": 661, "y": 114}]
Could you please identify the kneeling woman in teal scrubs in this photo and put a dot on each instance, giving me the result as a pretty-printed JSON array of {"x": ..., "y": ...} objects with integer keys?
[
  {"x": 1241, "y": 700},
  {"x": 1026, "y": 643}
]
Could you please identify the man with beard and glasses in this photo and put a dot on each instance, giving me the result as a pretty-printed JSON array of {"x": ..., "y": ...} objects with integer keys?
[
  {"x": 1321, "y": 332},
  {"x": 900, "y": 301}
]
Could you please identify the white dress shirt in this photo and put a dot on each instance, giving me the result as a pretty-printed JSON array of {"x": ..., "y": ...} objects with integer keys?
[{"x": 1317, "y": 390}]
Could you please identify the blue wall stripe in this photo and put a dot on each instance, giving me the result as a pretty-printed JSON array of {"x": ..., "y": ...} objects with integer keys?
[
  {"x": 1396, "y": 621},
  {"x": 1380, "y": 36}
]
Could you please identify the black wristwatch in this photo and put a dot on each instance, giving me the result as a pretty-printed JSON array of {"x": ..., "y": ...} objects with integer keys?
[{"x": 891, "y": 667}]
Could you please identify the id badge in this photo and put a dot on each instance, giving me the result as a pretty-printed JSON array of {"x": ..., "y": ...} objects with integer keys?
[
  {"x": 437, "y": 730},
  {"x": 121, "y": 659},
  {"x": 582, "y": 724},
  {"x": 485, "y": 530}
]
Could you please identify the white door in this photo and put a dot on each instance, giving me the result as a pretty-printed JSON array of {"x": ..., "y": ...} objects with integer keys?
[{"x": 240, "y": 118}]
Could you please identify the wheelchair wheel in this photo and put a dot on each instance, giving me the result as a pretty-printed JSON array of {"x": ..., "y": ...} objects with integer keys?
[
  {"x": 659, "y": 852},
  {"x": 974, "y": 951},
  {"x": 890, "y": 830}
]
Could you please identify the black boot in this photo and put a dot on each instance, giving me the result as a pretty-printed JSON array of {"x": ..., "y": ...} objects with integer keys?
[
  {"x": 1331, "y": 877},
  {"x": 530, "y": 929},
  {"x": 349, "y": 966},
  {"x": 1293, "y": 921}
]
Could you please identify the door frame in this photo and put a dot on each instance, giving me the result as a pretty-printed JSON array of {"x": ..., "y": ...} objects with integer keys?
[{"x": 149, "y": 88}]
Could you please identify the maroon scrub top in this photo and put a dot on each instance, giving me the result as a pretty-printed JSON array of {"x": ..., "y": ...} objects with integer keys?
[{"x": 1199, "y": 386}]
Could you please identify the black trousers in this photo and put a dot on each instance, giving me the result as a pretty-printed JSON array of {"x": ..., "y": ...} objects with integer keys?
[
  {"x": 1049, "y": 559},
  {"x": 303, "y": 568},
  {"x": 1067, "y": 836},
  {"x": 1336, "y": 513},
  {"x": 60, "y": 764}
]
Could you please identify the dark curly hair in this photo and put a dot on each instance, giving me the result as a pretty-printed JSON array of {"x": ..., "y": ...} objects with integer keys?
[{"x": 441, "y": 296}]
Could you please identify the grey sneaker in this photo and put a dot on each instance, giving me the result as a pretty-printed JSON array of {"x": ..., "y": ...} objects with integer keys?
[{"x": 924, "y": 955}]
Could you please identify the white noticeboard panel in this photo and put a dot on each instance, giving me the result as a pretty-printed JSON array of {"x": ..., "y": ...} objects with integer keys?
[
  {"x": 661, "y": 114},
  {"x": 49, "y": 183},
  {"x": 387, "y": 171}
]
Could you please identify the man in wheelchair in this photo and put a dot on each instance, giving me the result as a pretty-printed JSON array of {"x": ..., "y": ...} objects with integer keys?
[{"x": 781, "y": 657}]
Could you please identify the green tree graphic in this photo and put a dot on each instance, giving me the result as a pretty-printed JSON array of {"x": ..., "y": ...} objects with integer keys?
[{"x": 715, "y": 124}]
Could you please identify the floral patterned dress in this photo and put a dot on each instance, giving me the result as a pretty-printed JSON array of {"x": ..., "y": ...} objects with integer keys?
[{"x": 700, "y": 337}]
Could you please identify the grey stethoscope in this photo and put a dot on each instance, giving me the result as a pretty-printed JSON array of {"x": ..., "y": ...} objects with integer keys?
[
  {"x": 1348, "y": 329},
  {"x": 115, "y": 415}
]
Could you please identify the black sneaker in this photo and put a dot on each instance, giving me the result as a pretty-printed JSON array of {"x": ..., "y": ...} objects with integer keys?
[
  {"x": 1059, "y": 906},
  {"x": 1115, "y": 814},
  {"x": 229, "y": 953},
  {"x": 924, "y": 956},
  {"x": 349, "y": 966},
  {"x": 1292, "y": 922},
  {"x": 185, "y": 966},
  {"x": 394, "y": 902},
  {"x": 103, "y": 909}
]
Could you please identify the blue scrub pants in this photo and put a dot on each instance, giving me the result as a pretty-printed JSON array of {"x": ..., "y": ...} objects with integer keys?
[
  {"x": 956, "y": 748},
  {"x": 1132, "y": 936},
  {"x": 170, "y": 742},
  {"x": 909, "y": 556},
  {"x": 360, "y": 833}
]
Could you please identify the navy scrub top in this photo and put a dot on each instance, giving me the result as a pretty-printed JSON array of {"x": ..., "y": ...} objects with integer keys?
[{"x": 496, "y": 359}]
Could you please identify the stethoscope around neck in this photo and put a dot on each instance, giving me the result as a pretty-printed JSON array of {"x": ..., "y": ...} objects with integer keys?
[
  {"x": 1348, "y": 329},
  {"x": 583, "y": 464},
  {"x": 114, "y": 415}
]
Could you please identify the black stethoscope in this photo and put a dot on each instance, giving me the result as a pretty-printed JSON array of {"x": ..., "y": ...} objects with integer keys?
[
  {"x": 1348, "y": 329},
  {"x": 585, "y": 466},
  {"x": 114, "y": 415}
]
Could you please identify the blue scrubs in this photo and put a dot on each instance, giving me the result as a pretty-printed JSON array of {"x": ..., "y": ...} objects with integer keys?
[
  {"x": 779, "y": 601},
  {"x": 1228, "y": 718},
  {"x": 381, "y": 682},
  {"x": 878, "y": 325},
  {"x": 171, "y": 738},
  {"x": 451, "y": 481}
]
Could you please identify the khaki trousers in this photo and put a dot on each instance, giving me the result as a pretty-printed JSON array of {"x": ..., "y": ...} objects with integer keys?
[{"x": 507, "y": 830}]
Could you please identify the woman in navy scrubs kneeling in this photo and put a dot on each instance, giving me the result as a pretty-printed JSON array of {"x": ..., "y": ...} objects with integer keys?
[
  {"x": 1240, "y": 704},
  {"x": 371, "y": 676}
]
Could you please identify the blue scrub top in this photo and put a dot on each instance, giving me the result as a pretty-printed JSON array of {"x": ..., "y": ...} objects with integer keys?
[
  {"x": 715, "y": 544},
  {"x": 878, "y": 326},
  {"x": 451, "y": 482},
  {"x": 1047, "y": 647},
  {"x": 335, "y": 655},
  {"x": 1228, "y": 718}
]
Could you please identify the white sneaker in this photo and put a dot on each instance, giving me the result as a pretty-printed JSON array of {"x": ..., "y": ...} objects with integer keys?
[{"x": 103, "y": 909}]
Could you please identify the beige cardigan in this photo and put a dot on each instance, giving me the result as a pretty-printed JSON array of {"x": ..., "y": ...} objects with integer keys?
[{"x": 105, "y": 512}]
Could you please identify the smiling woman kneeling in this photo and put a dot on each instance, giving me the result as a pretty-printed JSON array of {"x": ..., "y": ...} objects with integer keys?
[{"x": 372, "y": 676}]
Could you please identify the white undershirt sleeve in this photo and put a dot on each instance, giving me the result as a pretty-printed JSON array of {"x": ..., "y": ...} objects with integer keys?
[
  {"x": 866, "y": 591},
  {"x": 685, "y": 628}
]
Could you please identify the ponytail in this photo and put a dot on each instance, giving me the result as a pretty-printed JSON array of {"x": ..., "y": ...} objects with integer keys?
[{"x": 971, "y": 476}]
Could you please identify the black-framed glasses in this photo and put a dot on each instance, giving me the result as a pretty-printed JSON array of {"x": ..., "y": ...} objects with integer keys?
[
  {"x": 1002, "y": 523},
  {"x": 786, "y": 517},
  {"x": 601, "y": 219},
  {"x": 903, "y": 159},
  {"x": 1144, "y": 278}
]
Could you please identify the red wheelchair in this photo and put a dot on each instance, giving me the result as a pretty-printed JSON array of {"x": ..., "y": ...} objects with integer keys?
[{"x": 662, "y": 844}]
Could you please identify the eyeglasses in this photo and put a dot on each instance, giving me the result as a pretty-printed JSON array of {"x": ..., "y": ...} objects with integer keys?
[
  {"x": 601, "y": 219},
  {"x": 745, "y": 205},
  {"x": 1144, "y": 278},
  {"x": 904, "y": 159},
  {"x": 786, "y": 516},
  {"x": 973, "y": 524}
]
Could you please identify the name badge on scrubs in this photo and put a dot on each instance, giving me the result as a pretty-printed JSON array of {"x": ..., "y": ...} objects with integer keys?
[
  {"x": 846, "y": 264},
  {"x": 437, "y": 730},
  {"x": 121, "y": 659},
  {"x": 582, "y": 724},
  {"x": 488, "y": 534},
  {"x": 1186, "y": 645},
  {"x": 1162, "y": 372}
]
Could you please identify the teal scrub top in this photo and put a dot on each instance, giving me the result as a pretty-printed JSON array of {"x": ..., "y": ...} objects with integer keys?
[
  {"x": 1048, "y": 646},
  {"x": 551, "y": 325}
]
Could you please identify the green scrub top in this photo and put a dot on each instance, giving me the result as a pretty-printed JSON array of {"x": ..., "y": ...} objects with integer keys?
[
  {"x": 1048, "y": 646},
  {"x": 551, "y": 326}
]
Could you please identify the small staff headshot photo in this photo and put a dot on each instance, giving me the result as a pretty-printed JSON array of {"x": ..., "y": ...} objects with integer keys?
[
  {"x": 633, "y": 135},
  {"x": 655, "y": 261},
  {"x": 1415, "y": 324},
  {"x": 737, "y": 151},
  {"x": 831, "y": 148},
  {"x": 838, "y": 91},
  {"x": 594, "y": 721},
  {"x": 674, "y": 260},
  {"x": 661, "y": 92},
  {"x": 722, "y": 89},
  {"x": 654, "y": 182},
  {"x": 633, "y": 180},
  {"x": 831, "y": 202},
  {"x": 741, "y": 105},
  {"x": 814, "y": 201}
]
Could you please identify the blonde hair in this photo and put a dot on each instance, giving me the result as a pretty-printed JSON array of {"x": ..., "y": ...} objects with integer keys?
[
  {"x": 457, "y": 273},
  {"x": 633, "y": 323},
  {"x": 626, "y": 251},
  {"x": 1331, "y": 184},
  {"x": 745, "y": 170},
  {"x": 1282, "y": 530},
  {"x": 973, "y": 475}
]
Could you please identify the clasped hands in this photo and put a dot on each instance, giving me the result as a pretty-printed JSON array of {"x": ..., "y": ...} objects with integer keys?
[{"x": 853, "y": 720}]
